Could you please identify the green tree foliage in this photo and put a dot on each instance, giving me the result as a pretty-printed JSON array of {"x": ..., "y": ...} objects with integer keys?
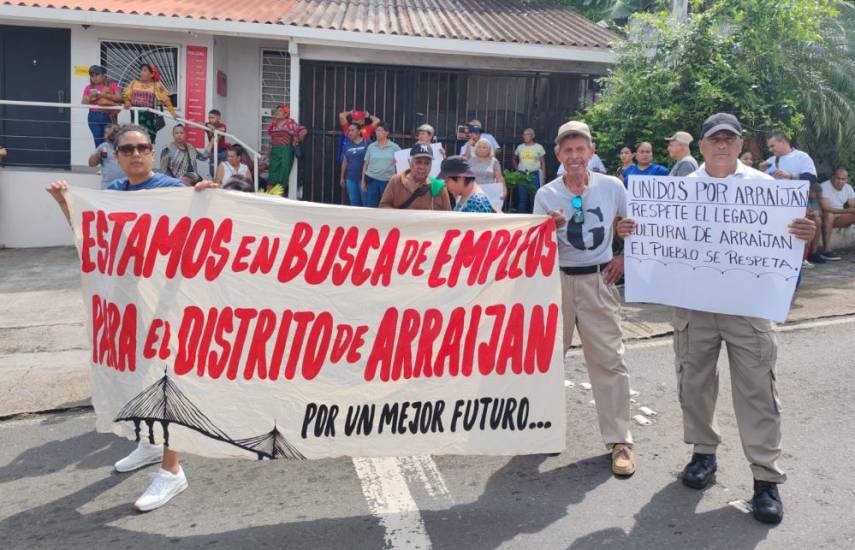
[
  {"x": 777, "y": 64},
  {"x": 617, "y": 11}
]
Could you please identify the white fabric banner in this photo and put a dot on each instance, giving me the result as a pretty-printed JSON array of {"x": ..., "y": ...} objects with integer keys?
[
  {"x": 715, "y": 245},
  {"x": 230, "y": 324}
]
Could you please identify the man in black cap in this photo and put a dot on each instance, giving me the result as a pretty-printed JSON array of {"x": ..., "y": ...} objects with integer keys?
[
  {"x": 412, "y": 189},
  {"x": 751, "y": 351}
]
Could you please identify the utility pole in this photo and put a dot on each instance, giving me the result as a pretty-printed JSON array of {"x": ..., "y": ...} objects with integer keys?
[{"x": 680, "y": 9}]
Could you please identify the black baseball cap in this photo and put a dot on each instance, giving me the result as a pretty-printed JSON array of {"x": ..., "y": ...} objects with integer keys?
[
  {"x": 421, "y": 150},
  {"x": 719, "y": 122},
  {"x": 455, "y": 167},
  {"x": 97, "y": 69}
]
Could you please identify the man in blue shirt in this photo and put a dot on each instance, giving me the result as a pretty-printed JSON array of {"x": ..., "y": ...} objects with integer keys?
[
  {"x": 644, "y": 164},
  {"x": 134, "y": 151}
]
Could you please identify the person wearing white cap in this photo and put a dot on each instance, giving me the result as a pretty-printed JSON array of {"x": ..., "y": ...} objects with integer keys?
[
  {"x": 751, "y": 352},
  {"x": 678, "y": 149},
  {"x": 585, "y": 206},
  {"x": 425, "y": 134},
  {"x": 476, "y": 132}
]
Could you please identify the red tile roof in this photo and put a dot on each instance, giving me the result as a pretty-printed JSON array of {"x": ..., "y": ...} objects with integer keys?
[{"x": 535, "y": 22}]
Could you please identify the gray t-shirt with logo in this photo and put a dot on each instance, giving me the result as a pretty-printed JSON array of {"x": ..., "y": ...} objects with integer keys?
[{"x": 588, "y": 243}]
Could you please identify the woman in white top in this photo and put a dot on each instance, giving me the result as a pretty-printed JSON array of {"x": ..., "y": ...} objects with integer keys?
[
  {"x": 485, "y": 167},
  {"x": 232, "y": 167}
]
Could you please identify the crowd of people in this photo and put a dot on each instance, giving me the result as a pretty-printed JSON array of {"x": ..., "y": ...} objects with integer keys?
[
  {"x": 179, "y": 159},
  {"x": 589, "y": 267}
]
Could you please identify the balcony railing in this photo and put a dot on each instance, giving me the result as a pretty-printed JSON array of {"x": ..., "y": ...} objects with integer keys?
[{"x": 27, "y": 132}]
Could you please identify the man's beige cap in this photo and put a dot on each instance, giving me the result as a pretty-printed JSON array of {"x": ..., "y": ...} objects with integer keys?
[
  {"x": 572, "y": 128},
  {"x": 683, "y": 137}
]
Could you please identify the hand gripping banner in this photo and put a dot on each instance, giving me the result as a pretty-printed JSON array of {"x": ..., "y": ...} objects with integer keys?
[{"x": 228, "y": 324}]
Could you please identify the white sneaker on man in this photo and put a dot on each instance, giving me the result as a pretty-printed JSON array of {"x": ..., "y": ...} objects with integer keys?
[
  {"x": 163, "y": 487},
  {"x": 143, "y": 455}
]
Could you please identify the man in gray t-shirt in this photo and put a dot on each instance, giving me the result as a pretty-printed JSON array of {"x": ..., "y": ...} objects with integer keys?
[
  {"x": 585, "y": 206},
  {"x": 678, "y": 149},
  {"x": 588, "y": 243}
]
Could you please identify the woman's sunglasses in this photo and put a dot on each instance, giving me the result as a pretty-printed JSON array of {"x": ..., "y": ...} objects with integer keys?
[
  {"x": 129, "y": 148},
  {"x": 578, "y": 214}
]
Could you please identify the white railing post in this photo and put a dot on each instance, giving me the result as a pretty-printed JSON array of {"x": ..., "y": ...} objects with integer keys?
[
  {"x": 255, "y": 170},
  {"x": 216, "y": 158}
]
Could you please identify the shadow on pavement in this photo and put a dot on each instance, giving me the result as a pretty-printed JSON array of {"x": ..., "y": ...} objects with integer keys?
[
  {"x": 669, "y": 520},
  {"x": 86, "y": 451},
  {"x": 518, "y": 499}
]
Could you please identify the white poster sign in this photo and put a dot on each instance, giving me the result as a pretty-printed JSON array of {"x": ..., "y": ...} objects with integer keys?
[
  {"x": 230, "y": 324},
  {"x": 715, "y": 245},
  {"x": 494, "y": 193},
  {"x": 402, "y": 159}
]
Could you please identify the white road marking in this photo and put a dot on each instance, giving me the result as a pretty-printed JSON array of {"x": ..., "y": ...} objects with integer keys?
[
  {"x": 818, "y": 324},
  {"x": 389, "y": 498},
  {"x": 422, "y": 469}
]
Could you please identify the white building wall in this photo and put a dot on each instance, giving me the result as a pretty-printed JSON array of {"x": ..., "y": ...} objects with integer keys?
[{"x": 29, "y": 217}]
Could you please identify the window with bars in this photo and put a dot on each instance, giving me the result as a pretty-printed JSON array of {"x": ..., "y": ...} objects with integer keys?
[
  {"x": 123, "y": 60},
  {"x": 275, "y": 88}
]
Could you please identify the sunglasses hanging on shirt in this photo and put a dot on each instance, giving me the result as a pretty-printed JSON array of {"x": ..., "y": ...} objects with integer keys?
[{"x": 578, "y": 214}]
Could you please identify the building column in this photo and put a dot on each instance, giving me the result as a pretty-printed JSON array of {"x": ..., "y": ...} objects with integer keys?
[{"x": 294, "y": 102}]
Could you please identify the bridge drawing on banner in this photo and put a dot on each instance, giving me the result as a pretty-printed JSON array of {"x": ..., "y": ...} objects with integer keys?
[{"x": 164, "y": 403}]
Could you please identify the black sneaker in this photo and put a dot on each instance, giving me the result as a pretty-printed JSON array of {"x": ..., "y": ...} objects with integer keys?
[
  {"x": 816, "y": 259},
  {"x": 767, "y": 504},
  {"x": 830, "y": 256}
]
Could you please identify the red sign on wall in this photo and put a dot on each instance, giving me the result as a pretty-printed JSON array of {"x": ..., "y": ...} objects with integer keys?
[{"x": 194, "y": 107}]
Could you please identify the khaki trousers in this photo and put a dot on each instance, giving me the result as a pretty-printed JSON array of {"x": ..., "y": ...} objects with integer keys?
[
  {"x": 751, "y": 351},
  {"x": 594, "y": 308}
]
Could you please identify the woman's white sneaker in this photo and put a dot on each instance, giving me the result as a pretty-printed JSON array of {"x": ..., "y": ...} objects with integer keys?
[
  {"x": 163, "y": 487},
  {"x": 143, "y": 455}
]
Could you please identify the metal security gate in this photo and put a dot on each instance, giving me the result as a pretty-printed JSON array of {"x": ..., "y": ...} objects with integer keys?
[{"x": 405, "y": 97}]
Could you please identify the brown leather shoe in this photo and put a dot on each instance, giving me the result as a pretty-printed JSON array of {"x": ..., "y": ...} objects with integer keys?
[{"x": 623, "y": 460}]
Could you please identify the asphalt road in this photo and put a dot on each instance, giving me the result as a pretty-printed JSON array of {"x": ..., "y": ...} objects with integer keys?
[{"x": 57, "y": 489}]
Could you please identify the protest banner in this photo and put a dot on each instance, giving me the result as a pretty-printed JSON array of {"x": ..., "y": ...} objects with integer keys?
[
  {"x": 231, "y": 324},
  {"x": 714, "y": 245},
  {"x": 402, "y": 160}
]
